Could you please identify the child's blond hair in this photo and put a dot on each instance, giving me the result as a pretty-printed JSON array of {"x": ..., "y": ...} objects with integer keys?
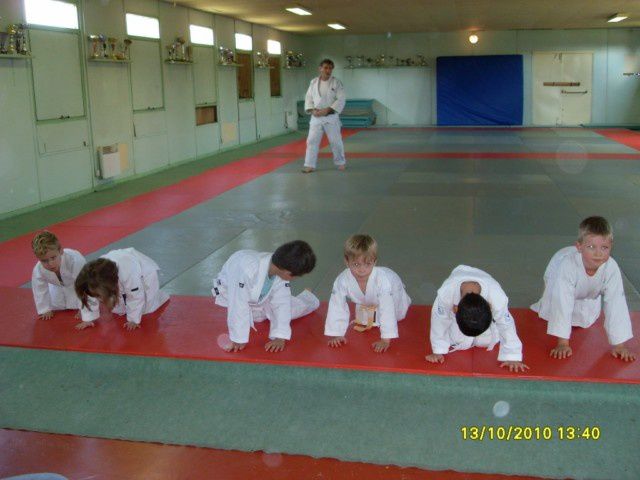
[
  {"x": 43, "y": 242},
  {"x": 361, "y": 246},
  {"x": 595, "y": 226}
]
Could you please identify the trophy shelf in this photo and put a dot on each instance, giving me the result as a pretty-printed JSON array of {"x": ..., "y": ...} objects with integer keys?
[
  {"x": 179, "y": 62},
  {"x": 230, "y": 64},
  {"x": 14, "y": 55},
  {"x": 109, "y": 60}
]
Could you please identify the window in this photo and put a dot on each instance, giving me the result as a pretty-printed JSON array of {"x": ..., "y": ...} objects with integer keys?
[
  {"x": 245, "y": 71},
  {"x": 51, "y": 13},
  {"x": 206, "y": 115},
  {"x": 244, "y": 42},
  {"x": 201, "y": 35},
  {"x": 140, "y": 26},
  {"x": 274, "y": 76},
  {"x": 274, "y": 47}
]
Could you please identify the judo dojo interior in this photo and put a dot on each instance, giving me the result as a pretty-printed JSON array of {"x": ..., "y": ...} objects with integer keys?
[{"x": 187, "y": 144}]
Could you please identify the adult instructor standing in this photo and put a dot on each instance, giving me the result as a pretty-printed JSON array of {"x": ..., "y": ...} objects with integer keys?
[{"x": 324, "y": 101}]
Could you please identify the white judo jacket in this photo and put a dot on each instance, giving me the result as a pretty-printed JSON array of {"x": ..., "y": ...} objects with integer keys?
[
  {"x": 384, "y": 290},
  {"x": 445, "y": 334},
  {"x": 238, "y": 286},
  {"x": 334, "y": 98},
  {"x": 573, "y": 298},
  {"x": 49, "y": 293},
  {"x": 138, "y": 285}
]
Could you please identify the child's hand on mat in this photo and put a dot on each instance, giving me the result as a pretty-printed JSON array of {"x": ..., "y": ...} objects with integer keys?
[
  {"x": 46, "y": 316},
  {"x": 275, "y": 345},
  {"x": 130, "y": 325},
  {"x": 623, "y": 353},
  {"x": 83, "y": 325},
  {"x": 515, "y": 366},
  {"x": 77, "y": 315},
  {"x": 381, "y": 345},
  {"x": 235, "y": 347},
  {"x": 435, "y": 358},
  {"x": 337, "y": 341},
  {"x": 562, "y": 350}
]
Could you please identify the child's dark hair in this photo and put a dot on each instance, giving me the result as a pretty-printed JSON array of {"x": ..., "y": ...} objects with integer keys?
[
  {"x": 97, "y": 278},
  {"x": 296, "y": 257},
  {"x": 327, "y": 61},
  {"x": 473, "y": 315}
]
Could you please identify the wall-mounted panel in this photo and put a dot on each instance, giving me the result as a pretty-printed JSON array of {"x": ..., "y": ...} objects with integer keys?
[
  {"x": 146, "y": 75},
  {"x": 57, "y": 76}
]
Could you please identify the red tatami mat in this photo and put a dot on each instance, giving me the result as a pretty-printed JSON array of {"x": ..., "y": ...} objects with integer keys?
[
  {"x": 92, "y": 231},
  {"x": 495, "y": 155},
  {"x": 630, "y": 138},
  {"x": 194, "y": 328},
  {"x": 100, "y": 459}
]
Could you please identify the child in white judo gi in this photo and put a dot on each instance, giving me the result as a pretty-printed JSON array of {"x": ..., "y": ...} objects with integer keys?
[
  {"x": 254, "y": 286},
  {"x": 324, "y": 101},
  {"x": 577, "y": 281},
  {"x": 54, "y": 276},
  {"x": 378, "y": 293},
  {"x": 471, "y": 310},
  {"x": 125, "y": 281}
]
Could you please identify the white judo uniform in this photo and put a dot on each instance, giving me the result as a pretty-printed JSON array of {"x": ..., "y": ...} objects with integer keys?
[
  {"x": 50, "y": 294},
  {"x": 573, "y": 298},
  {"x": 384, "y": 290},
  {"x": 324, "y": 95},
  {"x": 238, "y": 287},
  {"x": 138, "y": 285},
  {"x": 446, "y": 335}
]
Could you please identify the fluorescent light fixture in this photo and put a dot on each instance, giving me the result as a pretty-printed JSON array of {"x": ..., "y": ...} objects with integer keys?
[
  {"x": 244, "y": 42},
  {"x": 274, "y": 47},
  {"x": 51, "y": 13},
  {"x": 337, "y": 26},
  {"x": 201, "y": 35},
  {"x": 141, "y": 26},
  {"x": 298, "y": 10},
  {"x": 618, "y": 17},
  {"x": 473, "y": 39}
]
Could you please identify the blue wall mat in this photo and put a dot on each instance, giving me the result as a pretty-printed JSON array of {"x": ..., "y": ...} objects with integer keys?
[{"x": 484, "y": 90}]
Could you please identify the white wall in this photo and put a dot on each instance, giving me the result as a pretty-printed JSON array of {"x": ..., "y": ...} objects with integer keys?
[
  {"x": 404, "y": 96},
  {"x": 45, "y": 161}
]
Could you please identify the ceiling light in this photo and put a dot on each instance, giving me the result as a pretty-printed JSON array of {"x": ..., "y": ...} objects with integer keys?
[
  {"x": 298, "y": 11},
  {"x": 618, "y": 17},
  {"x": 473, "y": 39},
  {"x": 337, "y": 26}
]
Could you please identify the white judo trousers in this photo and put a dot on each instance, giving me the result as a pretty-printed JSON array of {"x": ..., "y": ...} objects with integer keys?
[
  {"x": 330, "y": 94},
  {"x": 318, "y": 126}
]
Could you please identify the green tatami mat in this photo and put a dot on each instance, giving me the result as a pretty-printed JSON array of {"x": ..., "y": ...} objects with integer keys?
[{"x": 371, "y": 417}]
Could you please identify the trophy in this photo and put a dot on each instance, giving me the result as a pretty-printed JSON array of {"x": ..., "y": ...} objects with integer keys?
[
  {"x": 172, "y": 52},
  {"x": 350, "y": 60},
  {"x": 95, "y": 46},
  {"x": 21, "y": 40},
  {"x": 3, "y": 39},
  {"x": 422, "y": 61},
  {"x": 11, "y": 32},
  {"x": 126, "y": 49},
  {"x": 189, "y": 54},
  {"x": 259, "y": 60},
  {"x": 181, "y": 51},
  {"x": 360, "y": 61},
  {"x": 113, "y": 42}
]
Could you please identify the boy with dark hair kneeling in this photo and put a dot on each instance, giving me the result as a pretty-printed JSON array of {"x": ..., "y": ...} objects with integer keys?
[
  {"x": 254, "y": 286},
  {"x": 471, "y": 310}
]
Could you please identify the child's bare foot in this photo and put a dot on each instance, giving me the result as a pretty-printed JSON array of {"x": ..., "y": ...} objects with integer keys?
[
  {"x": 342, "y": 168},
  {"x": 308, "y": 170}
]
